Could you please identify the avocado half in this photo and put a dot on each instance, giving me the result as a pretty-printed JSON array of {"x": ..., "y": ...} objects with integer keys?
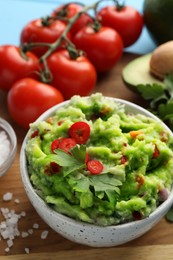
[{"x": 137, "y": 72}]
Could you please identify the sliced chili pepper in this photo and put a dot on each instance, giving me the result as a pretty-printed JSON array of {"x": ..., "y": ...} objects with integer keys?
[
  {"x": 66, "y": 144},
  {"x": 94, "y": 166},
  {"x": 55, "y": 144},
  {"x": 80, "y": 131}
]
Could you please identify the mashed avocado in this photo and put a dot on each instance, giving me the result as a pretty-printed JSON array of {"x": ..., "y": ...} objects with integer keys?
[{"x": 93, "y": 161}]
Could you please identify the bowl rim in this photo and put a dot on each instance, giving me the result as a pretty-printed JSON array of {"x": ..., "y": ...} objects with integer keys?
[
  {"x": 25, "y": 177},
  {"x": 5, "y": 126}
]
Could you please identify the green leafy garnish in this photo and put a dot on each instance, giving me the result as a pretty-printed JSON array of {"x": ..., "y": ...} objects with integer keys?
[
  {"x": 160, "y": 98},
  {"x": 104, "y": 183}
]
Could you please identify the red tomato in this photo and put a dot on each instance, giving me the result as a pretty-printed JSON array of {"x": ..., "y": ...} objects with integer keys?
[
  {"x": 104, "y": 48},
  {"x": 13, "y": 66},
  {"x": 94, "y": 166},
  {"x": 36, "y": 32},
  {"x": 70, "y": 10},
  {"x": 28, "y": 99},
  {"x": 71, "y": 77},
  {"x": 126, "y": 20},
  {"x": 80, "y": 131}
]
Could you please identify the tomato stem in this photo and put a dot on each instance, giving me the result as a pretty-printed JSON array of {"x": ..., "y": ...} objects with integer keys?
[
  {"x": 72, "y": 20},
  {"x": 119, "y": 6}
]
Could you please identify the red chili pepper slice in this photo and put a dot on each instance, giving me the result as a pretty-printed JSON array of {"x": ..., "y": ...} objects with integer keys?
[
  {"x": 94, "y": 166},
  {"x": 80, "y": 131},
  {"x": 55, "y": 144},
  {"x": 66, "y": 144}
]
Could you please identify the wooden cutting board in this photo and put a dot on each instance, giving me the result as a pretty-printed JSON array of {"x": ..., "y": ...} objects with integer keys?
[{"x": 156, "y": 244}]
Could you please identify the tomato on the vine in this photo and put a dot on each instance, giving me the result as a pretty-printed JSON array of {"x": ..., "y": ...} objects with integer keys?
[
  {"x": 124, "y": 19},
  {"x": 103, "y": 48},
  {"x": 29, "y": 98},
  {"x": 70, "y": 10},
  {"x": 42, "y": 31},
  {"x": 71, "y": 76},
  {"x": 14, "y": 65}
]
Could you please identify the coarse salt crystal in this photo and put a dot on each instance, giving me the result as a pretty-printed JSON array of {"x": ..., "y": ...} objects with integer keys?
[
  {"x": 7, "y": 249},
  {"x": 23, "y": 214},
  {"x": 36, "y": 225},
  {"x": 10, "y": 242},
  {"x": 7, "y": 196},
  {"x": 24, "y": 234},
  {"x": 44, "y": 234},
  {"x": 30, "y": 231},
  {"x": 17, "y": 201},
  {"x": 4, "y": 147},
  {"x": 27, "y": 250}
]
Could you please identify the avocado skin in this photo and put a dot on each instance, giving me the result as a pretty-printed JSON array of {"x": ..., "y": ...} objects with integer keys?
[{"x": 158, "y": 15}]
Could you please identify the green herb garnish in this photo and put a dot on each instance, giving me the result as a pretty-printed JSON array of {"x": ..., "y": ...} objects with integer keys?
[{"x": 160, "y": 99}]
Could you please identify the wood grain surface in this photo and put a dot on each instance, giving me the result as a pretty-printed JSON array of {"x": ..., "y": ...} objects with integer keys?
[{"x": 156, "y": 244}]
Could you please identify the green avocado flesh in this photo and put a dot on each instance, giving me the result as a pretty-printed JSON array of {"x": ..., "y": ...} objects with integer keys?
[
  {"x": 137, "y": 72},
  {"x": 134, "y": 150}
]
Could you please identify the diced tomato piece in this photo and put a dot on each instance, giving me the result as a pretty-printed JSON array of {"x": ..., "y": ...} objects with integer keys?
[
  {"x": 140, "y": 180},
  {"x": 94, "y": 166},
  {"x": 80, "y": 131},
  {"x": 123, "y": 159},
  {"x": 34, "y": 134},
  {"x": 135, "y": 133},
  {"x": 156, "y": 152}
]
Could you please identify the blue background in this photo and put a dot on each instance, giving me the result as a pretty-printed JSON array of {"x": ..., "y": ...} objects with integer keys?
[{"x": 15, "y": 14}]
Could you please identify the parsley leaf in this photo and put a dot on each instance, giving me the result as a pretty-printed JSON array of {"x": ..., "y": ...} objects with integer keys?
[
  {"x": 160, "y": 98},
  {"x": 69, "y": 162}
]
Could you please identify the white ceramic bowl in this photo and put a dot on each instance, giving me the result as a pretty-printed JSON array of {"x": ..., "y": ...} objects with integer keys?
[
  {"x": 7, "y": 129},
  {"x": 89, "y": 234}
]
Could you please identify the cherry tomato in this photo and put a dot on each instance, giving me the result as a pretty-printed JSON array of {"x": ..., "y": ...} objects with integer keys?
[
  {"x": 94, "y": 166},
  {"x": 14, "y": 66},
  {"x": 38, "y": 32},
  {"x": 104, "y": 48},
  {"x": 28, "y": 99},
  {"x": 72, "y": 77},
  {"x": 70, "y": 10},
  {"x": 80, "y": 131},
  {"x": 126, "y": 20}
]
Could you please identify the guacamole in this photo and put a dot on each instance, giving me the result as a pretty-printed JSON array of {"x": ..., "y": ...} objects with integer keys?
[{"x": 95, "y": 162}]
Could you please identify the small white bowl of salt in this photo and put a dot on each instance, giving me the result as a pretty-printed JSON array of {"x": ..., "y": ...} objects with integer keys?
[{"x": 8, "y": 146}]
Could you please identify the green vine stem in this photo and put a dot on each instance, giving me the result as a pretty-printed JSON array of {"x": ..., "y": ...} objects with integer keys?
[
  {"x": 71, "y": 21},
  {"x": 45, "y": 74}
]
